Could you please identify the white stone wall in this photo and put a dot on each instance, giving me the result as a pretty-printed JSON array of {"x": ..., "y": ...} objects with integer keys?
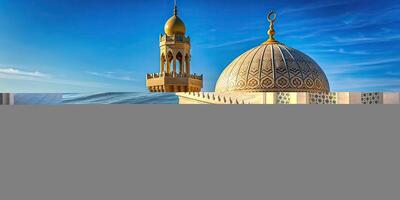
[
  {"x": 7, "y": 99},
  {"x": 292, "y": 98},
  {"x": 391, "y": 98}
]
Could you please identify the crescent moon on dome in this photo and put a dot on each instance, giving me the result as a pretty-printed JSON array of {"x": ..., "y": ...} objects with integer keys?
[{"x": 272, "y": 16}]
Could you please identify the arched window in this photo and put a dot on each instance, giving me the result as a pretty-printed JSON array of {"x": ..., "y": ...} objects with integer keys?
[
  {"x": 170, "y": 57},
  {"x": 179, "y": 58}
]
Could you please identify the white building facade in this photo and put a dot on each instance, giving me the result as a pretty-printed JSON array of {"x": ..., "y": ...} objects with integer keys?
[{"x": 289, "y": 98}]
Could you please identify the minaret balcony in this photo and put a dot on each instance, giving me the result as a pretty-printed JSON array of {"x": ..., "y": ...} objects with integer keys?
[
  {"x": 174, "y": 38},
  {"x": 174, "y": 82},
  {"x": 175, "y": 75}
]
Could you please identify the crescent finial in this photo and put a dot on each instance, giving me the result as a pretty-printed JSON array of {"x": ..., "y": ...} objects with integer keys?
[{"x": 271, "y": 32}]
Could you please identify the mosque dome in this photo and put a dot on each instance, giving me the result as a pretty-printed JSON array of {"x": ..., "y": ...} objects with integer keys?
[
  {"x": 175, "y": 25},
  {"x": 273, "y": 67}
]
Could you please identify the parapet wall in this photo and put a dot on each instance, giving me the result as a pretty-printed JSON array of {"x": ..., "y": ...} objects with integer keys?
[
  {"x": 290, "y": 98},
  {"x": 174, "y": 75}
]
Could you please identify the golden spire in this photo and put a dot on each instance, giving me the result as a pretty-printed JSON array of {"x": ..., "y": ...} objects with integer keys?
[
  {"x": 175, "y": 8},
  {"x": 271, "y": 32},
  {"x": 174, "y": 24}
]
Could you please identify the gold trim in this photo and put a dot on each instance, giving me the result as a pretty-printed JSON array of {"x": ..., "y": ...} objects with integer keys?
[{"x": 271, "y": 32}]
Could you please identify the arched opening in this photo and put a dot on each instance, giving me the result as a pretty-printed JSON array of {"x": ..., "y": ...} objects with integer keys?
[
  {"x": 170, "y": 57},
  {"x": 179, "y": 58}
]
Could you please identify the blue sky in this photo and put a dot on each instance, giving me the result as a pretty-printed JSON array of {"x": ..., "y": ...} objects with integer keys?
[{"x": 104, "y": 45}]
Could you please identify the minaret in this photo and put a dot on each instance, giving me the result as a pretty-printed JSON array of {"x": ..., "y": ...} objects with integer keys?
[{"x": 175, "y": 73}]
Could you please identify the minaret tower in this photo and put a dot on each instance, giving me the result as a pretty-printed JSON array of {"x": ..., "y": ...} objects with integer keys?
[{"x": 175, "y": 56}]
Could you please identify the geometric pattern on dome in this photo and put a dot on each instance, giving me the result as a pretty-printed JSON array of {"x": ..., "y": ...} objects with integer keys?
[
  {"x": 370, "y": 98},
  {"x": 273, "y": 68},
  {"x": 283, "y": 98},
  {"x": 323, "y": 98}
]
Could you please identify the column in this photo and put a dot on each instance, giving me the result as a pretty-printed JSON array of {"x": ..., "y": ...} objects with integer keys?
[
  {"x": 181, "y": 68},
  {"x": 302, "y": 98},
  {"x": 391, "y": 98},
  {"x": 174, "y": 65},
  {"x": 168, "y": 67},
  {"x": 355, "y": 98},
  {"x": 343, "y": 98},
  {"x": 162, "y": 67},
  {"x": 188, "y": 66}
]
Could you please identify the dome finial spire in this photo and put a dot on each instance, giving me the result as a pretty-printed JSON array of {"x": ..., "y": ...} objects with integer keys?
[
  {"x": 174, "y": 24},
  {"x": 271, "y": 32},
  {"x": 175, "y": 8}
]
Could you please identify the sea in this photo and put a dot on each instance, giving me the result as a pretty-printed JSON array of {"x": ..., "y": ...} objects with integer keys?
[
  {"x": 121, "y": 98},
  {"x": 95, "y": 98}
]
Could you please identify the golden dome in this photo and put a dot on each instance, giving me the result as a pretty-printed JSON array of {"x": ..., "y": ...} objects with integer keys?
[
  {"x": 175, "y": 25},
  {"x": 273, "y": 67}
]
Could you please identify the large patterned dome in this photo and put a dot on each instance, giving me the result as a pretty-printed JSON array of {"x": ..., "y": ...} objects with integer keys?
[{"x": 273, "y": 67}]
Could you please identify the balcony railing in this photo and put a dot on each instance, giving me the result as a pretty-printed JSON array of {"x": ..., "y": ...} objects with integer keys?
[
  {"x": 174, "y": 75},
  {"x": 178, "y": 38}
]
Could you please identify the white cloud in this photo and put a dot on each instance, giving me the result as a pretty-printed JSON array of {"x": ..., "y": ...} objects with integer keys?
[
  {"x": 366, "y": 84},
  {"x": 393, "y": 73},
  {"x": 314, "y": 6},
  {"x": 346, "y": 21},
  {"x": 230, "y": 43},
  {"x": 342, "y": 51},
  {"x": 16, "y": 72},
  {"x": 112, "y": 75},
  {"x": 377, "y": 62},
  {"x": 361, "y": 66},
  {"x": 365, "y": 40}
]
